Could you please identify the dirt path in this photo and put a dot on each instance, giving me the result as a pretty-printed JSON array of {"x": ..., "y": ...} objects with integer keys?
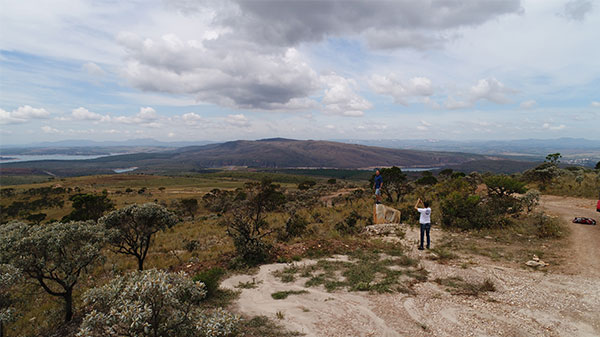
[{"x": 583, "y": 251}]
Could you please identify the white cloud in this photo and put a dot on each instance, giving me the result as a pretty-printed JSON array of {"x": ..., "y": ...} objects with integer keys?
[
  {"x": 341, "y": 98},
  {"x": 492, "y": 90},
  {"x": 93, "y": 70},
  {"x": 22, "y": 115},
  {"x": 145, "y": 117},
  {"x": 82, "y": 113},
  {"x": 489, "y": 89},
  {"x": 528, "y": 104},
  {"x": 401, "y": 91},
  {"x": 548, "y": 126},
  {"x": 237, "y": 120},
  {"x": 595, "y": 104},
  {"x": 48, "y": 129}
]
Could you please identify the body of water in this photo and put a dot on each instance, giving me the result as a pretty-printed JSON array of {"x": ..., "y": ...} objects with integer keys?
[{"x": 22, "y": 158}]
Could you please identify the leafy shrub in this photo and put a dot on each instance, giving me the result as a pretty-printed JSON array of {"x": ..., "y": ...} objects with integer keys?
[
  {"x": 307, "y": 184},
  {"x": 189, "y": 206},
  {"x": 153, "y": 303},
  {"x": 9, "y": 276},
  {"x": 88, "y": 207},
  {"x": 332, "y": 181},
  {"x": 464, "y": 211},
  {"x": 547, "y": 226},
  {"x": 191, "y": 245},
  {"x": 294, "y": 226},
  {"x": 350, "y": 225},
  {"x": 247, "y": 225},
  {"x": 530, "y": 200},
  {"x": 211, "y": 279}
]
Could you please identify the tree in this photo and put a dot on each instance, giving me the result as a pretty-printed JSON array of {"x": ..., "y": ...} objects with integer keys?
[
  {"x": 88, "y": 207},
  {"x": 247, "y": 226},
  {"x": 502, "y": 186},
  {"x": 131, "y": 228},
  {"x": 153, "y": 303},
  {"x": 190, "y": 206},
  {"x": 53, "y": 255},
  {"x": 427, "y": 178},
  {"x": 501, "y": 189},
  {"x": 307, "y": 184},
  {"x": 553, "y": 158},
  {"x": 543, "y": 173},
  {"x": 9, "y": 276},
  {"x": 36, "y": 218},
  {"x": 395, "y": 182},
  {"x": 597, "y": 166}
]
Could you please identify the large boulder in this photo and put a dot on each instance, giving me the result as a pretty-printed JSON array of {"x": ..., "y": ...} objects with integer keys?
[{"x": 385, "y": 214}]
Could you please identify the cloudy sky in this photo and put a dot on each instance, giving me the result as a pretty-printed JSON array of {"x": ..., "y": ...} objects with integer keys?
[{"x": 237, "y": 69}]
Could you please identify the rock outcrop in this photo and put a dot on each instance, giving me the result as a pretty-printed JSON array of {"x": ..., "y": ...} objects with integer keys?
[{"x": 385, "y": 214}]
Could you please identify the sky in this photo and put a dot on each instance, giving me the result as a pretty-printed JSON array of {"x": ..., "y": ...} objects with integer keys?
[{"x": 187, "y": 70}]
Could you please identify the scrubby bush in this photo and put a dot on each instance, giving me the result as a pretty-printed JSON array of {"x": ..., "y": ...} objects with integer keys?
[
  {"x": 530, "y": 200},
  {"x": 332, "y": 181},
  {"x": 88, "y": 207},
  {"x": 307, "y": 184},
  {"x": 294, "y": 226},
  {"x": 189, "y": 206},
  {"x": 9, "y": 277},
  {"x": 221, "y": 201},
  {"x": 501, "y": 190},
  {"x": 211, "y": 279},
  {"x": 153, "y": 303},
  {"x": 351, "y": 224},
  {"x": 53, "y": 255},
  {"x": 464, "y": 211},
  {"x": 131, "y": 228},
  {"x": 547, "y": 226},
  {"x": 247, "y": 225}
]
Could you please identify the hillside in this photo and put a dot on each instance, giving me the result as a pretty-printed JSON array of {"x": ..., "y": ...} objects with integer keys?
[{"x": 267, "y": 153}]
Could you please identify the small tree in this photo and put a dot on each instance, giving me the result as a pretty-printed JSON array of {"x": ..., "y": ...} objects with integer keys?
[
  {"x": 248, "y": 227},
  {"x": 190, "y": 206},
  {"x": 54, "y": 255},
  {"x": 427, "y": 178},
  {"x": 395, "y": 181},
  {"x": 9, "y": 276},
  {"x": 597, "y": 167},
  {"x": 530, "y": 200},
  {"x": 307, "y": 184},
  {"x": 153, "y": 303},
  {"x": 131, "y": 228},
  {"x": 501, "y": 189},
  {"x": 36, "y": 218},
  {"x": 553, "y": 158},
  {"x": 88, "y": 207}
]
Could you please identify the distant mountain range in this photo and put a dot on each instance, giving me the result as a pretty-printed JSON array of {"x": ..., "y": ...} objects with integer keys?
[{"x": 266, "y": 153}]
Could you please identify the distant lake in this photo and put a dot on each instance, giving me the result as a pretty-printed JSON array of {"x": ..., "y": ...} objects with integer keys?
[
  {"x": 419, "y": 169},
  {"x": 21, "y": 158}
]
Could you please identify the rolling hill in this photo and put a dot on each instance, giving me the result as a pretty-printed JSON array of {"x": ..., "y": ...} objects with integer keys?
[{"x": 266, "y": 153}]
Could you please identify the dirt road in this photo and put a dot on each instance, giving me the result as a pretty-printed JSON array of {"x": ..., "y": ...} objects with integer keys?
[{"x": 582, "y": 255}]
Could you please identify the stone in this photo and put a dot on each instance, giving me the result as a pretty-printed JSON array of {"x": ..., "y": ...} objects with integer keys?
[
  {"x": 382, "y": 229},
  {"x": 385, "y": 214}
]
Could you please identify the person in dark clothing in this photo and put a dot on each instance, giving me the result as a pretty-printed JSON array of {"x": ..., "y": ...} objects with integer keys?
[
  {"x": 424, "y": 220},
  {"x": 378, "y": 186}
]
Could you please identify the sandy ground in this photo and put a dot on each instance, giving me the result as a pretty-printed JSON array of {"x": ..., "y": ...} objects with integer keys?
[{"x": 526, "y": 302}]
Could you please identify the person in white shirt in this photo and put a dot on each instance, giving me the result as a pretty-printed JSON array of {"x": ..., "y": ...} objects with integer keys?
[{"x": 424, "y": 220}]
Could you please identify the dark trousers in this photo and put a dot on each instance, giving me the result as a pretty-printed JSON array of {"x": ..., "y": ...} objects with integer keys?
[{"x": 425, "y": 227}]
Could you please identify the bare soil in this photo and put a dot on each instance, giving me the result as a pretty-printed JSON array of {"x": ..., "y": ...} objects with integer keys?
[{"x": 526, "y": 302}]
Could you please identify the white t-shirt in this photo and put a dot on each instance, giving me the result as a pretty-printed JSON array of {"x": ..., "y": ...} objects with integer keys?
[{"x": 425, "y": 215}]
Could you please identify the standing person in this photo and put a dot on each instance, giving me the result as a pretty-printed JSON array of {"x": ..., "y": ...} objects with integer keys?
[
  {"x": 598, "y": 204},
  {"x": 424, "y": 220},
  {"x": 378, "y": 186}
]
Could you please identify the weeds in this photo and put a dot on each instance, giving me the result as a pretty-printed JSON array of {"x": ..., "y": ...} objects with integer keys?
[
  {"x": 280, "y": 295},
  {"x": 458, "y": 286},
  {"x": 249, "y": 284}
]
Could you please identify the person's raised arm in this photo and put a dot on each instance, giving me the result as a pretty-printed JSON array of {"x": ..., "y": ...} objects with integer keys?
[{"x": 417, "y": 204}]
